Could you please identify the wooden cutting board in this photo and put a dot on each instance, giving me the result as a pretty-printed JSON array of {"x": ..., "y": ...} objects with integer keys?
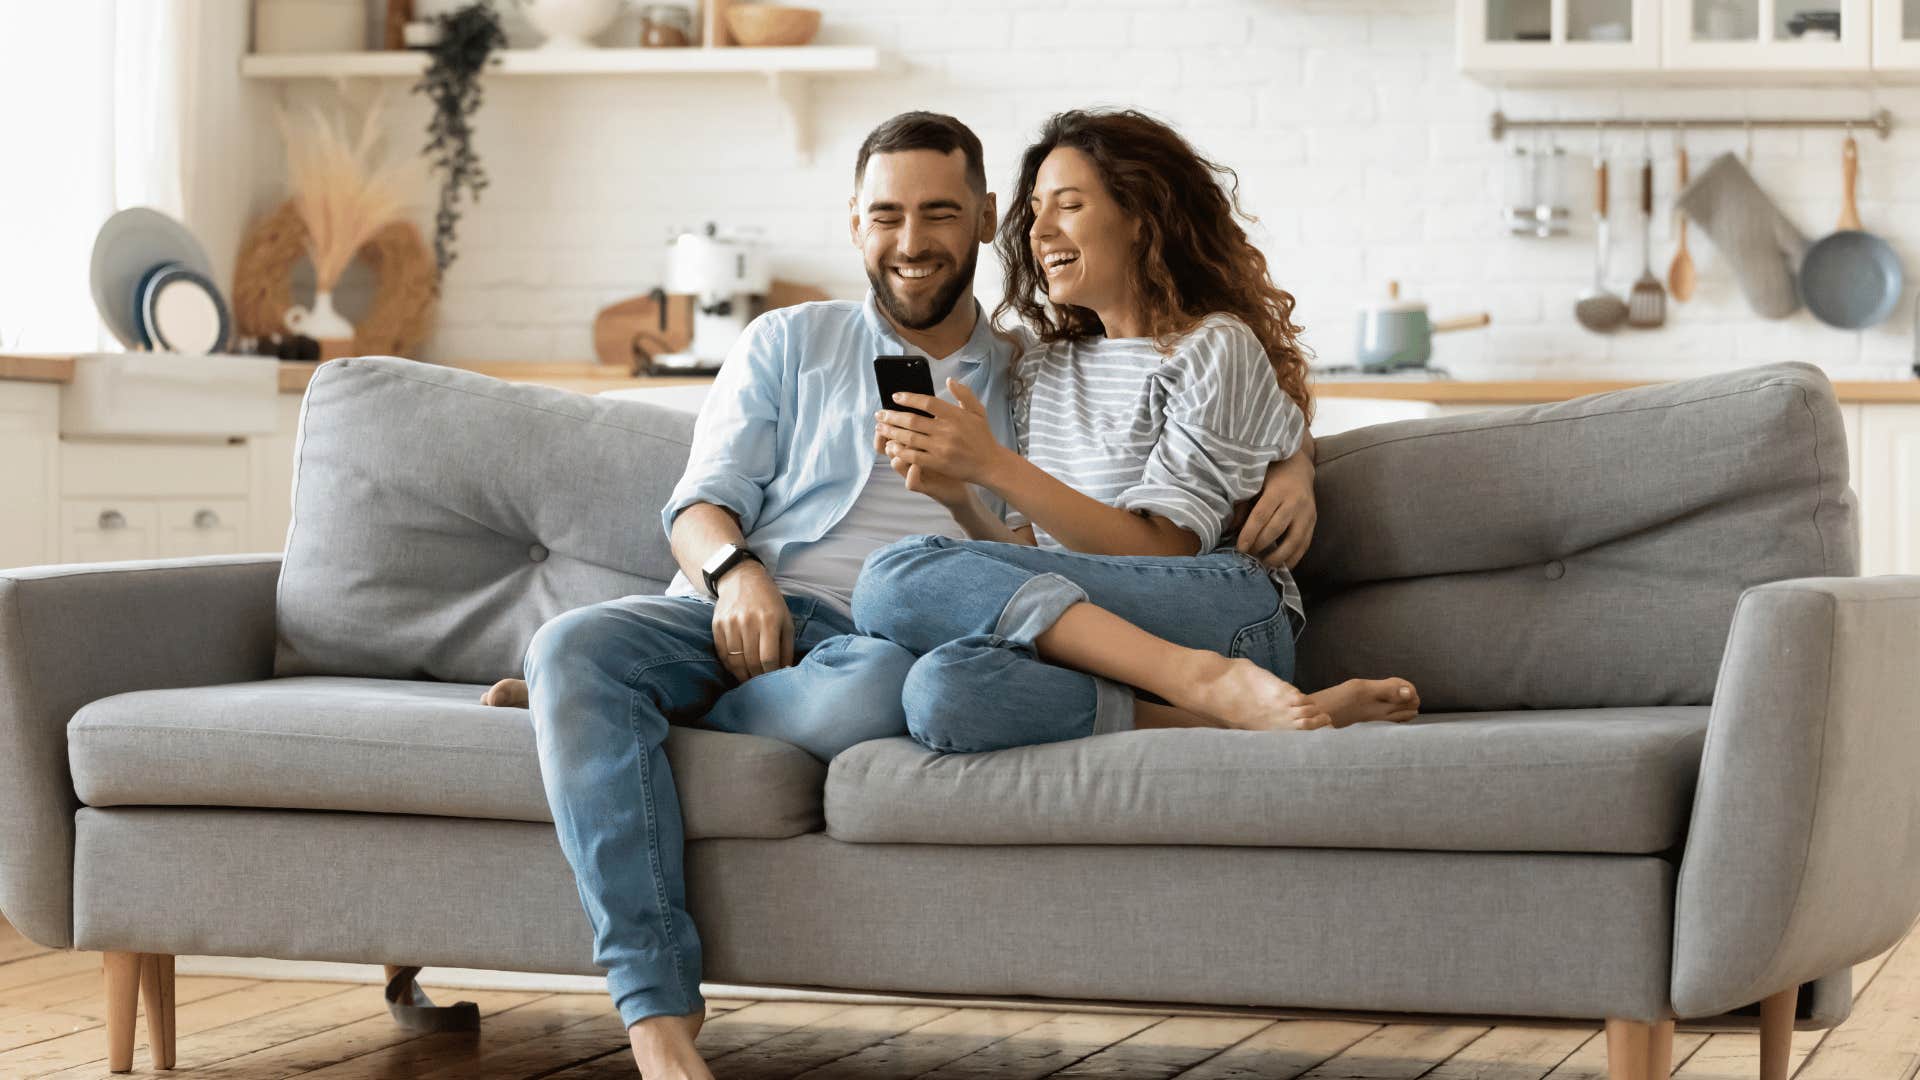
[{"x": 626, "y": 333}]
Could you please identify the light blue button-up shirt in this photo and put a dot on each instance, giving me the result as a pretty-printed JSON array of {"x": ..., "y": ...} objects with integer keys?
[{"x": 785, "y": 440}]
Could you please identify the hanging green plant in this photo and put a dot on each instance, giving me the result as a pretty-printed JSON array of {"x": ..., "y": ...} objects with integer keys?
[{"x": 468, "y": 40}]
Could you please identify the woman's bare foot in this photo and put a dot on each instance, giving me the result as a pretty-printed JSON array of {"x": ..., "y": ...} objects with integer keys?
[
  {"x": 1240, "y": 694},
  {"x": 1358, "y": 701},
  {"x": 511, "y": 693},
  {"x": 663, "y": 1047}
]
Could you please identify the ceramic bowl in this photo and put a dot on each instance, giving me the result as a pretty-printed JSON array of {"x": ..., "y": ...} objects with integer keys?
[
  {"x": 766, "y": 25},
  {"x": 570, "y": 24}
]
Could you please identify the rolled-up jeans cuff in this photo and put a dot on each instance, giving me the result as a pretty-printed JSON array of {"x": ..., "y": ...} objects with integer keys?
[
  {"x": 1112, "y": 706},
  {"x": 1035, "y": 606},
  {"x": 638, "y": 1006}
]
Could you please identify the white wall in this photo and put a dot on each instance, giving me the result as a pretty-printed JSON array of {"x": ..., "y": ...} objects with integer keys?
[{"x": 1363, "y": 152}]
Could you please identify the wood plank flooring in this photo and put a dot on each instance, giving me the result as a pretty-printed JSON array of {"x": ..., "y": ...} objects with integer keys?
[{"x": 52, "y": 1012}]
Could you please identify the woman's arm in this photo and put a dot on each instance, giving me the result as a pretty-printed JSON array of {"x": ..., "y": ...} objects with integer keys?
[
  {"x": 1081, "y": 522},
  {"x": 960, "y": 442},
  {"x": 958, "y": 497}
]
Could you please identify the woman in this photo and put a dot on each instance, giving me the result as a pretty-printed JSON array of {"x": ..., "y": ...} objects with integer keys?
[{"x": 1161, "y": 373}]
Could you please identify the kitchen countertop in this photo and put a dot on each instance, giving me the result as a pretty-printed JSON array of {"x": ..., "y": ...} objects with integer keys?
[{"x": 588, "y": 378}]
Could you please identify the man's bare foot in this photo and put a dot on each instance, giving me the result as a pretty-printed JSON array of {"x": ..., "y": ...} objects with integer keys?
[
  {"x": 1358, "y": 701},
  {"x": 663, "y": 1047},
  {"x": 511, "y": 693},
  {"x": 1238, "y": 693}
]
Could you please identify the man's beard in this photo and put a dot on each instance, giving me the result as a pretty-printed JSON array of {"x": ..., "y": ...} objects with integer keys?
[{"x": 937, "y": 307}]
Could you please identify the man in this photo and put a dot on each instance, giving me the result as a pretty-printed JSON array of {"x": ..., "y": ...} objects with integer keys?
[{"x": 783, "y": 498}]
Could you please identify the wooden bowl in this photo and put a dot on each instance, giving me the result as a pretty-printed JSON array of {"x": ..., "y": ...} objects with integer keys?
[{"x": 768, "y": 26}]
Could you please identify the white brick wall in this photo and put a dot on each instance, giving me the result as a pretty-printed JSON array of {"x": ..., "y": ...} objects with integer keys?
[{"x": 1362, "y": 151}]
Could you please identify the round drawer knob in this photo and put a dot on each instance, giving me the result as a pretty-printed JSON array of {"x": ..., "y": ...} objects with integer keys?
[
  {"x": 112, "y": 519},
  {"x": 206, "y": 519}
]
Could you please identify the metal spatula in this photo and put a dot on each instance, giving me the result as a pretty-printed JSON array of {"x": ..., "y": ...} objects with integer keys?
[{"x": 1647, "y": 304}]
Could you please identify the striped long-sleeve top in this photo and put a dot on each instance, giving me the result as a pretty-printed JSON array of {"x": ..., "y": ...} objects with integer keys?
[{"x": 1184, "y": 434}]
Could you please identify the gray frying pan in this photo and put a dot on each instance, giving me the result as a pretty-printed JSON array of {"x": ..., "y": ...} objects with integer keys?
[{"x": 1851, "y": 279}]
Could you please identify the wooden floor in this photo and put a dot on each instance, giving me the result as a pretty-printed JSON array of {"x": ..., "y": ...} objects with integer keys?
[{"x": 51, "y": 1012}]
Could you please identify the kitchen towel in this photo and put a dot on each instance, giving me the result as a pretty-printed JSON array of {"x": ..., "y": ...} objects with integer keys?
[{"x": 1761, "y": 245}]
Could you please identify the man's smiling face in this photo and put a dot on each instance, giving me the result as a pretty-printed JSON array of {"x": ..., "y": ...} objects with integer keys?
[{"x": 919, "y": 226}]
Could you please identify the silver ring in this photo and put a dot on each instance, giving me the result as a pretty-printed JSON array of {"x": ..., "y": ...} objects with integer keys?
[{"x": 736, "y": 652}]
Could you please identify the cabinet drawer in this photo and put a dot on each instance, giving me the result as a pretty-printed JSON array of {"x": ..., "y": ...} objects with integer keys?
[
  {"x": 100, "y": 468},
  {"x": 202, "y": 527},
  {"x": 107, "y": 530}
]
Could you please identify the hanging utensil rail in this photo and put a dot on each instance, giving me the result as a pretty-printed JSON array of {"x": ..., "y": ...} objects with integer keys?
[{"x": 1881, "y": 121}]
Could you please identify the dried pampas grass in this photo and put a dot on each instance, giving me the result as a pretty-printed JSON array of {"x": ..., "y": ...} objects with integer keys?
[{"x": 345, "y": 189}]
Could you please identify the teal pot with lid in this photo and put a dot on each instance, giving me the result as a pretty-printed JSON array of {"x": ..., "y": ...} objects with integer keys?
[{"x": 1396, "y": 334}]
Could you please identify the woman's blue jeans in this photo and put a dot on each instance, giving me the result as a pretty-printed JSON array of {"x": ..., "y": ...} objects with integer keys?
[
  {"x": 606, "y": 681},
  {"x": 970, "y": 610}
]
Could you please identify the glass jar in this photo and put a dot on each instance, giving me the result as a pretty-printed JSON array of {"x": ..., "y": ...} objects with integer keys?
[{"x": 666, "y": 26}]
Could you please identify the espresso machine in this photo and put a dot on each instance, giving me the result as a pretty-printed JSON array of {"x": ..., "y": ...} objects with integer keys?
[{"x": 727, "y": 276}]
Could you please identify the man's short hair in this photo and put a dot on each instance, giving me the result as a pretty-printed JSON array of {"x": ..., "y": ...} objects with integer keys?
[{"x": 920, "y": 130}]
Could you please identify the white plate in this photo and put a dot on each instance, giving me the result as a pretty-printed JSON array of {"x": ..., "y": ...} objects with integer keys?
[
  {"x": 131, "y": 243},
  {"x": 182, "y": 312}
]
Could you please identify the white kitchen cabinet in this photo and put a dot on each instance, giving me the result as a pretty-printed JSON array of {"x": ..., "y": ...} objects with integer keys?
[
  {"x": 1896, "y": 35},
  {"x": 146, "y": 499},
  {"x": 29, "y": 444},
  {"x": 1494, "y": 36},
  {"x": 1760, "y": 35},
  {"x": 107, "y": 530},
  {"x": 1558, "y": 41},
  {"x": 1890, "y": 490},
  {"x": 202, "y": 527},
  {"x": 272, "y": 479}
]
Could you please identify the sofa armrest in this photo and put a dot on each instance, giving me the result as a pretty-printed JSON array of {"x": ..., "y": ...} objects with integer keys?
[
  {"x": 74, "y": 634},
  {"x": 1803, "y": 856}
]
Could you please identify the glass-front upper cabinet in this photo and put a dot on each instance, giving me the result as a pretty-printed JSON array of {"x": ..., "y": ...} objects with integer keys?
[
  {"x": 1896, "y": 34},
  {"x": 1568, "y": 36},
  {"x": 1768, "y": 35}
]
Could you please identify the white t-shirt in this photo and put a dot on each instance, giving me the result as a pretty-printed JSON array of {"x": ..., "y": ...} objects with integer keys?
[{"x": 883, "y": 512}]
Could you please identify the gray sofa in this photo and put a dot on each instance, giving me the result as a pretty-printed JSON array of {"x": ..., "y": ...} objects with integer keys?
[{"x": 1665, "y": 769}]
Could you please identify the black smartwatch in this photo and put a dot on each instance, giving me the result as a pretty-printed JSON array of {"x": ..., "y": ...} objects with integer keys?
[{"x": 724, "y": 558}]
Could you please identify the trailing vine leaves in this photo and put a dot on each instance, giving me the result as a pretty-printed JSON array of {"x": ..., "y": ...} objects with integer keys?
[{"x": 468, "y": 38}]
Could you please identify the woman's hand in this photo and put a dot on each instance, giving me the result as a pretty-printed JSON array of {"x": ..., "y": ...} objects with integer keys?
[
  {"x": 1279, "y": 528},
  {"x": 956, "y": 441},
  {"x": 955, "y": 495}
]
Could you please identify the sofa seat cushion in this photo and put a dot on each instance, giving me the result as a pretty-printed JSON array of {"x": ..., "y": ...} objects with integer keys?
[
  {"x": 397, "y": 747},
  {"x": 1566, "y": 780}
]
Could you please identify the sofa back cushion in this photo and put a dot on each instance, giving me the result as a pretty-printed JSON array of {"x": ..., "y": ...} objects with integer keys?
[
  {"x": 440, "y": 517},
  {"x": 1580, "y": 554}
]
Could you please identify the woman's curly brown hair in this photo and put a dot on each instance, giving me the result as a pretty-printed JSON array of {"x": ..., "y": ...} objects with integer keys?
[{"x": 1194, "y": 258}]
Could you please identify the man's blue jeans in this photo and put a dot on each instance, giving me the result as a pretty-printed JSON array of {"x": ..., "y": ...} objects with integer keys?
[
  {"x": 605, "y": 682},
  {"x": 971, "y": 609}
]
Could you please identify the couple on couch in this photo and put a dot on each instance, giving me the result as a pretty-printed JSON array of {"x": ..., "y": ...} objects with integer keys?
[{"x": 1049, "y": 555}]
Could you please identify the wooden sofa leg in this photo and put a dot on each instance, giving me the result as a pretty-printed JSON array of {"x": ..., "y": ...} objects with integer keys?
[
  {"x": 1776, "y": 1032},
  {"x": 123, "y": 998},
  {"x": 1639, "y": 1051},
  {"x": 156, "y": 988}
]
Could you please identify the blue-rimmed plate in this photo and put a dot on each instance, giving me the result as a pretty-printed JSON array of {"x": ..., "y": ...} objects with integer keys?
[{"x": 181, "y": 312}]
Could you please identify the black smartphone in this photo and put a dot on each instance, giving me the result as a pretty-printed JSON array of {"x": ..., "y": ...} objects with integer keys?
[{"x": 902, "y": 375}]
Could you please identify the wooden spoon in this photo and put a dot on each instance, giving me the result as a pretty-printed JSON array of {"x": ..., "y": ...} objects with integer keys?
[{"x": 1680, "y": 276}]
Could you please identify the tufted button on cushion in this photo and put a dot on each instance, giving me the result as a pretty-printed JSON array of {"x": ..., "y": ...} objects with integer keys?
[
  {"x": 539, "y": 554},
  {"x": 1556, "y": 570}
]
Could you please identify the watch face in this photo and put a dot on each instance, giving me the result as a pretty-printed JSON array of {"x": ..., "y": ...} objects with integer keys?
[{"x": 719, "y": 558}]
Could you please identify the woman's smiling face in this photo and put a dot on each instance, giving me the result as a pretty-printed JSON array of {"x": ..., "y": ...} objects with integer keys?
[{"x": 1082, "y": 239}]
